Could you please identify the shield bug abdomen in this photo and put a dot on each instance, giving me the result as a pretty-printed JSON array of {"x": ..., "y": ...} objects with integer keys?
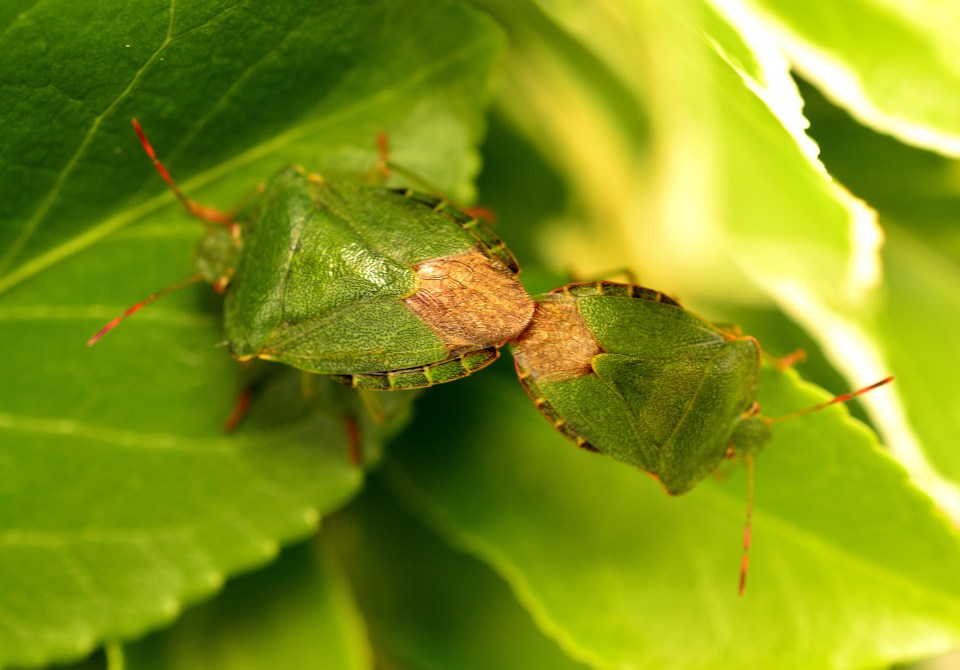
[
  {"x": 382, "y": 288},
  {"x": 627, "y": 372}
]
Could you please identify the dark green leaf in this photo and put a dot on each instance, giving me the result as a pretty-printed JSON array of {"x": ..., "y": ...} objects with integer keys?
[{"x": 122, "y": 499}]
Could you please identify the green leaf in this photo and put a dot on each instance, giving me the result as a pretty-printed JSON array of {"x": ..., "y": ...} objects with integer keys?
[
  {"x": 122, "y": 499},
  {"x": 892, "y": 64},
  {"x": 915, "y": 195},
  {"x": 850, "y": 565},
  {"x": 894, "y": 72},
  {"x": 729, "y": 129},
  {"x": 290, "y": 82},
  {"x": 729, "y": 200},
  {"x": 919, "y": 307},
  {"x": 298, "y": 613},
  {"x": 427, "y": 606}
]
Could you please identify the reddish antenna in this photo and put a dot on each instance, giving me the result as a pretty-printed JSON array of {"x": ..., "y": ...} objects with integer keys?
[
  {"x": 133, "y": 309},
  {"x": 202, "y": 212},
  {"x": 748, "y": 525},
  {"x": 833, "y": 401},
  {"x": 206, "y": 214}
]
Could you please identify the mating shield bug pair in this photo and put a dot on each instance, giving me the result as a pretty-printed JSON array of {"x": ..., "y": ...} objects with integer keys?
[{"x": 390, "y": 289}]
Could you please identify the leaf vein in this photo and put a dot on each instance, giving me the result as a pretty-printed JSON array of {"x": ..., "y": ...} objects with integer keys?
[{"x": 68, "y": 169}]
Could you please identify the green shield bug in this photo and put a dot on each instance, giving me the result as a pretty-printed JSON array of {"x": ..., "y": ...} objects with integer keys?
[
  {"x": 626, "y": 371},
  {"x": 379, "y": 288}
]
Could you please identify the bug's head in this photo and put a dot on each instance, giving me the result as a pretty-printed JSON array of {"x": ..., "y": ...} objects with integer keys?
[
  {"x": 752, "y": 433},
  {"x": 216, "y": 255}
]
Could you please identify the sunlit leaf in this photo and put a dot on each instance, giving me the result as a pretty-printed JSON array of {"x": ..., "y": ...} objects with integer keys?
[{"x": 851, "y": 567}]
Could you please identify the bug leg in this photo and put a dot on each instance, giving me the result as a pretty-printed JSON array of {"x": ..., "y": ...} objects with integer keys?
[
  {"x": 256, "y": 379},
  {"x": 308, "y": 386},
  {"x": 354, "y": 444},
  {"x": 381, "y": 169},
  {"x": 384, "y": 166},
  {"x": 788, "y": 361},
  {"x": 373, "y": 405},
  {"x": 731, "y": 329},
  {"x": 240, "y": 409},
  {"x": 723, "y": 471},
  {"x": 628, "y": 274},
  {"x": 779, "y": 362},
  {"x": 351, "y": 424}
]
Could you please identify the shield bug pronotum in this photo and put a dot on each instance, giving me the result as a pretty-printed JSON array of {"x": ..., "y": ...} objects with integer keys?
[
  {"x": 379, "y": 288},
  {"x": 626, "y": 371}
]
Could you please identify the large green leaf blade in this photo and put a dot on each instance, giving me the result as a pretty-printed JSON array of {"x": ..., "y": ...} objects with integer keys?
[
  {"x": 114, "y": 513},
  {"x": 123, "y": 498},
  {"x": 289, "y": 82},
  {"x": 725, "y": 197},
  {"x": 891, "y": 65},
  {"x": 623, "y": 575}
]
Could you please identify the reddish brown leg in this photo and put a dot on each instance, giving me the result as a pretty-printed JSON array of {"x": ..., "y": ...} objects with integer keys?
[
  {"x": 354, "y": 446},
  {"x": 788, "y": 361},
  {"x": 239, "y": 410},
  {"x": 485, "y": 214},
  {"x": 383, "y": 156}
]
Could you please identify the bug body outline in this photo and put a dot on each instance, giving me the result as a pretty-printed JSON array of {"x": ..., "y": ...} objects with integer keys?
[{"x": 377, "y": 288}]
